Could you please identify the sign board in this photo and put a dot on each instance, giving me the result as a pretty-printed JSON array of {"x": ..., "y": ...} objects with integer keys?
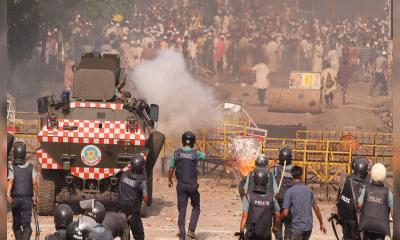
[
  {"x": 305, "y": 80},
  {"x": 246, "y": 150}
]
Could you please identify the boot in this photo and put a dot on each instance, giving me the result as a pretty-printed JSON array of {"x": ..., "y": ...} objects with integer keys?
[
  {"x": 27, "y": 233},
  {"x": 192, "y": 235},
  {"x": 18, "y": 234}
]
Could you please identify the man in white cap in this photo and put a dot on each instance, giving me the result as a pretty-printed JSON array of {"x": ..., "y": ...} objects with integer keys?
[{"x": 376, "y": 203}]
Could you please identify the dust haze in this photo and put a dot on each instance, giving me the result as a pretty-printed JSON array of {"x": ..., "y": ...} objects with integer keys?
[{"x": 185, "y": 103}]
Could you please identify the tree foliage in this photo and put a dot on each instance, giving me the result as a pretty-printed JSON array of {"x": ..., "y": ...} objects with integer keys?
[
  {"x": 23, "y": 28},
  {"x": 29, "y": 20}
]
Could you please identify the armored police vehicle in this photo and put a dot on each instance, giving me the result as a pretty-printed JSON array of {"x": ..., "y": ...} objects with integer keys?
[{"x": 88, "y": 136}]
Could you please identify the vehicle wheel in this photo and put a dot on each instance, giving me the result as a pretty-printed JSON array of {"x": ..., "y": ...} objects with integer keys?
[
  {"x": 155, "y": 144},
  {"x": 143, "y": 210},
  {"x": 46, "y": 193}
]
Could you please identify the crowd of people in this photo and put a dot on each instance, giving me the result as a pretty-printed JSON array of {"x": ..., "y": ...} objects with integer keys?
[{"x": 234, "y": 37}]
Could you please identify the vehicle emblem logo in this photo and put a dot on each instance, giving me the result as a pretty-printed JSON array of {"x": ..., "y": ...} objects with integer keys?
[{"x": 91, "y": 155}]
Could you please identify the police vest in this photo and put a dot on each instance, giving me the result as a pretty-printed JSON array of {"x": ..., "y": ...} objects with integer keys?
[
  {"x": 186, "y": 166},
  {"x": 22, "y": 183},
  {"x": 259, "y": 219},
  {"x": 375, "y": 211},
  {"x": 345, "y": 203},
  {"x": 287, "y": 182},
  {"x": 114, "y": 222},
  {"x": 270, "y": 185},
  {"x": 129, "y": 191}
]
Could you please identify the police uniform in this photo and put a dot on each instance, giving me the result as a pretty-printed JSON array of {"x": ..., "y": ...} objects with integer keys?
[
  {"x": 377, "y": 201},
  {"x": 22, "y": 192},
  {"x": 185, "y": 165},
  {"x": 63, "y": 216},
  {"x": 260, "y": 208},
  {"x": 287, "y": 183},
  {"x": 117, "y": 225},
  {"x": 249, "y": 183},
  {"x": 58, "y": 235},
  {"x": 131, "y": 190},
  {"x": 348, "y": 194}
]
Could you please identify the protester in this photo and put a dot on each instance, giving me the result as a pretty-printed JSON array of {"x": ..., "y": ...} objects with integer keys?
[{"x": 299, "y": 200}]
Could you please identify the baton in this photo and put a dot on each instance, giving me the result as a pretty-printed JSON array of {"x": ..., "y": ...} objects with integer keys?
[{"x": 37, "y": 227}]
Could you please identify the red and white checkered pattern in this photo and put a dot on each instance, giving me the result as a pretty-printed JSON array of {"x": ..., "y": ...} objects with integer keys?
[
  {"x": 46, "y": 162},
  {"x": 89, "y": 132},
  {"x": 116, "y": 106},
  {"x": 93, "y": 173}
]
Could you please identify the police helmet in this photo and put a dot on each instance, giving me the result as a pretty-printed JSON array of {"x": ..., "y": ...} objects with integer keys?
[
  {"x": 378, "y": 172},
  {"x": 261, "y": 160},
  {"x": 285, "y": 154},
  {"x": 360, "y": 166},
  {"x": 74, "y": 232},
  {"x": 97, "y": 212},
  {"x": 63, "y": 216},
  {"x": 188, "y": 139},
  {"x": 137, "y": 164},
  {"x": 260, "y": 180},
  {"x": 19, "y": 153}
]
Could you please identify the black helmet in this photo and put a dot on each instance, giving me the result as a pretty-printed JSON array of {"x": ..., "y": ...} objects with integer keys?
[
  {"x": 137, "y": 164},
  {"x": 285, "y": 154},
  {"x": 360, "y": 166},
  {"x": 188, "y": 139},
  {"x": 19, "y": 153},
  {"x": 261, "y": 161},
  {"x": 74, "y": 232},
  {"x": 63, "y": 216},
  {"x": 260, "y": 180},
  {"x": 97, "y": 212}
]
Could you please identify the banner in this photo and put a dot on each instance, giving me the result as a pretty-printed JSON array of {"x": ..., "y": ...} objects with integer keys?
[
  {"x": 246, "y": 150},
  {"x": 305, "y": 80}
]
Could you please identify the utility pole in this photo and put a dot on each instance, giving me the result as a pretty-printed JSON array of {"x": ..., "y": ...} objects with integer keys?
[{"x": 396, "y": 119}]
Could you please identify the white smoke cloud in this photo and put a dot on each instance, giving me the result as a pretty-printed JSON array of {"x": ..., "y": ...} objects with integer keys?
[{"x": 185, "y": 103}]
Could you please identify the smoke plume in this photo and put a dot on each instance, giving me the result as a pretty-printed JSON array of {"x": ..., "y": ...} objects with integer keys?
[{"x": 185, "y": 103}]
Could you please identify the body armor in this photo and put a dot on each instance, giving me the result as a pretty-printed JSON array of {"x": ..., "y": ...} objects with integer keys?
[
  {"x": 186, "y": 166},
  {"x": 345, "y": 203},
  {"x": 375, "y": 211},
  {"x": 287, "y": 182},
  {"x": 129, "y": 191},
  {"x": 22, "y": 183},
  {"x": 259, "y": 221}
]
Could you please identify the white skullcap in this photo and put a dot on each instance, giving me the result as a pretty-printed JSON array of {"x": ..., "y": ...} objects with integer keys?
[{"x": 378, "y": 172}]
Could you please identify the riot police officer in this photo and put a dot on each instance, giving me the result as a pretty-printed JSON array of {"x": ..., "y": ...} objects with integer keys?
[
  {"x": 132, "y": 190},
  {"x": 96, "y": 210},
  {"x": 117, "y": 225},
  {"x": 247, "y": 183},
  {"x": 63, "y": 216},
  {"x": 283, "y": 176},
  {"x": 185, "y": 164},
  {"x": 86, "y": 228},
  {"x": 258, "y": 208},
  {"x": 22, "y": 188},
  {"x": 348, "y": 195},
  {"x": 376, "y": 203}
]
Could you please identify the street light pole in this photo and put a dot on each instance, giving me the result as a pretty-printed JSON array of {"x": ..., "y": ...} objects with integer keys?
[{"x": 396, "y": 120}]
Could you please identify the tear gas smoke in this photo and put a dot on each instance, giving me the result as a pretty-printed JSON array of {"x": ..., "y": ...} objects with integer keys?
[{"x": 185, "y": 104}]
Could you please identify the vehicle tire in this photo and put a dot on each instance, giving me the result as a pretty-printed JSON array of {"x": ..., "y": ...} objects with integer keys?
[
  {"x": 143, "y": 210},
  {"x": 46, "y": 193},
  {"x": 154, "y": 144}
]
